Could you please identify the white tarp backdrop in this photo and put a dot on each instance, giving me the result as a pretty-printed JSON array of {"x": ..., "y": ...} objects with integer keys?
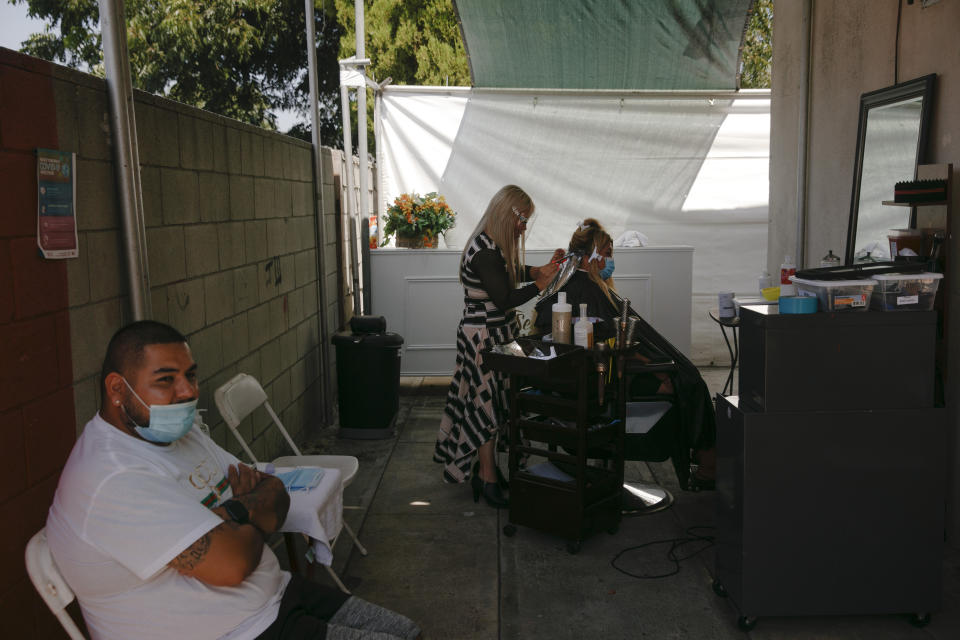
[{"x": 684, "y": 169}]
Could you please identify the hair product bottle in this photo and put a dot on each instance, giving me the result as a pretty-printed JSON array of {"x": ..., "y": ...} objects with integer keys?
[
  {"x": 787, "y": 269},
  {"x": 583, "y": 330},
  {"x": 561, "y": 319}
]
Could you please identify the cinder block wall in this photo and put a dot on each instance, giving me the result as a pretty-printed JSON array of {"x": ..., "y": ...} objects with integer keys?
[
  {"x": 232, "y": 253},
  {"x": 231, "y": 216}
]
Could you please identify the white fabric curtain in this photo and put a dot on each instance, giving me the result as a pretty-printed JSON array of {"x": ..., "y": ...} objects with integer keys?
[{"x": 683, "y": 169}]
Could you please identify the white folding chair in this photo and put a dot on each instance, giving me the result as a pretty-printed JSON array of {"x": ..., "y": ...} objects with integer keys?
[
  {"x": 238, "y": 398},
  {"x": 49, "y": 583}
]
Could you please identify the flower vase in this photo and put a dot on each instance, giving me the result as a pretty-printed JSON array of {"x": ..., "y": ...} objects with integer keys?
[{"x": 410, "y": 240}]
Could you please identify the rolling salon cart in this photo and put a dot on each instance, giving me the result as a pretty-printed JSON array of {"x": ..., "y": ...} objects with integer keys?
[{"x": 556, "y": 414}]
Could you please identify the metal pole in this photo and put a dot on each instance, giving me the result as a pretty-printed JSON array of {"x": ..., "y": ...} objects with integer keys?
[
  {"x": 377, "y": 136},
  {"x": 126, "y": 156},
  {"x": 348, "y": 202},
  {"x": 363, "y": 201},
  {"x": 319, "y": 217}
]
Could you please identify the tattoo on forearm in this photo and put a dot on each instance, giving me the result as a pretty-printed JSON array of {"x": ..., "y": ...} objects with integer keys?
[
  {"x": 268, "y": 497},
  {"x": 192, "y": 555}
]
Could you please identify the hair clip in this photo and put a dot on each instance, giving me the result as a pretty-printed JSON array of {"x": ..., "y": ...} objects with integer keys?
[
  {"x": 522, "y": 217},
  {"x": 582, "y": 227},
  {"x": 595, "y": 255}
]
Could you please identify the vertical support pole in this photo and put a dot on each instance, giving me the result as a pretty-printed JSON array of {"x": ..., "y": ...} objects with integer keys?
[
  {"x": 363, "y": 200},
  {"x": 319, "y": 212},
  {"x": 349, "y": 202},
  {"x": 126, "y": 155}
]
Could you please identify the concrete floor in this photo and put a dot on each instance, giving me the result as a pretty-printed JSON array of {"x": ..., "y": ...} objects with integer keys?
[{"x": 443, "y": 560}]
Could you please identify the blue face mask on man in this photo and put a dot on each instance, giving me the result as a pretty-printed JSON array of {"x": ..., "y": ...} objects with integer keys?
[
  {"x": 168, "y": 422},
  {"x": 607, "y": 270}
]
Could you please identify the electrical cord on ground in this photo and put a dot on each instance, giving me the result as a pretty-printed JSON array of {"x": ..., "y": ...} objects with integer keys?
[{"x": 673, "y": 554}]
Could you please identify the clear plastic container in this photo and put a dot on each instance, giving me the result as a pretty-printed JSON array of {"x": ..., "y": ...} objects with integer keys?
[
  {"x": 838, "y": 295},
  {"x": 905, "y": 291}
]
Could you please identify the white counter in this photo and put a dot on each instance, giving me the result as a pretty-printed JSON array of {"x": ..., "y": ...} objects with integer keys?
[{"x": 419, "y": 293}]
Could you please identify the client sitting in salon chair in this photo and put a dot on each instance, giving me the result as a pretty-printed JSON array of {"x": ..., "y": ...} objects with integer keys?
[{"x": 688, "y": 432}]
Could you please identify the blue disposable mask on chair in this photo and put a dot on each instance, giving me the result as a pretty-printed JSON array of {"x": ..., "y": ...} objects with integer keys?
[
  {"x": 607, "y": 270},
  {"x": 168, "y": 422}
]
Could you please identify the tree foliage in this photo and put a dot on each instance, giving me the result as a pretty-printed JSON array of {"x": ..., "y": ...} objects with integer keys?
[
  {"x": 411, "y": 41},
  {"x": 758, "y": 47},
  {"x": 238, "y": 58},
  {"x": 414, "y": 42}
]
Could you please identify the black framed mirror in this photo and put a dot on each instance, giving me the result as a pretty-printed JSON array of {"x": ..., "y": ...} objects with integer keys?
[{"x": 891, "y": 142}]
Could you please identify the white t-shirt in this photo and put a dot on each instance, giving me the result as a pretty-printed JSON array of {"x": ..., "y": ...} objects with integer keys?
[{"x": 124, "y": 508}]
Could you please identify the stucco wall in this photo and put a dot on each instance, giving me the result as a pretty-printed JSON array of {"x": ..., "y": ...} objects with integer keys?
[{"x": 853, "y": 51}]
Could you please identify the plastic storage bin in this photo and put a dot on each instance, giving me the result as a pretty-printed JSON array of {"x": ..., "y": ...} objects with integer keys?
[
  {"x": 838, "y": 295},
  {"x": 368, "y": 378},
  {"x": 905, "y": 291}
]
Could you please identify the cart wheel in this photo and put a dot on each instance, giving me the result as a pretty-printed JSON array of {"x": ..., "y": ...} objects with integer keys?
[
  {"x": 746, "y": 623},
  {"x": 509, "y": 530},
  {"x": 919, "y": 619},
  {"x": 719, "y": 589},
  {"x": 573, "y": 546}
]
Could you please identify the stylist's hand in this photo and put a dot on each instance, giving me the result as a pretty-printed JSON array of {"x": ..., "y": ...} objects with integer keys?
[
  {"x": 543, "y": 275},
  {"x": 559, "y": 253}
]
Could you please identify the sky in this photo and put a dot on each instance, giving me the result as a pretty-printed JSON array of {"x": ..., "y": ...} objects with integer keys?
[{"x": 16, "y": 26}]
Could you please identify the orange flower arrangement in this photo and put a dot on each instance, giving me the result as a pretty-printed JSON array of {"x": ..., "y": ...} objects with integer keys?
[{"x": 414, "y": 215}]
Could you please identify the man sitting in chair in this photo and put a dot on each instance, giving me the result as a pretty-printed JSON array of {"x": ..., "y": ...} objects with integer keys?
[{"x": 160, "y": 532}]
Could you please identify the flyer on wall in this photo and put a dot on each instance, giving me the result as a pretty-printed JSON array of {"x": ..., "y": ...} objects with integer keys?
[{"x": 56, "y": 198}]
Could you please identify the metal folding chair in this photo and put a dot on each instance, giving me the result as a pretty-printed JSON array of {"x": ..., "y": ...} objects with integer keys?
[
  {"x": 49, "y": 583},
  {"x": 237, "y": 399}
]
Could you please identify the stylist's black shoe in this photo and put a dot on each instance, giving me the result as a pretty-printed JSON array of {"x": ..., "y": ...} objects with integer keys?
[
  {"x": 501, "y": 480},
  {"x": 490, "y": 492}
]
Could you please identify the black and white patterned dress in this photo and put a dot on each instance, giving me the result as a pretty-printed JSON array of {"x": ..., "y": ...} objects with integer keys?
[{"x": 477, "y": 404}]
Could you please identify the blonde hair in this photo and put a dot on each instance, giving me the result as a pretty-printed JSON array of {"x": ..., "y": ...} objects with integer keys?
[
  {"x": 590, "y": 236},
  {"x": 500, "y": 223}
]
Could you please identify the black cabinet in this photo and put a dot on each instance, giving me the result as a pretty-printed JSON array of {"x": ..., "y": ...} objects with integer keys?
[
  {"x": 831, "y": 479},
  {"x": 838, "y": 361},
  {"x": 830, "y": 512}
]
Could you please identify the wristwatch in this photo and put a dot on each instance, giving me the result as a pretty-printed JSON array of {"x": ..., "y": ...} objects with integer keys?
[{"x": 237, "y": 512}]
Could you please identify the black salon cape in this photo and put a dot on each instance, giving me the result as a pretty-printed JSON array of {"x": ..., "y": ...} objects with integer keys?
[
  {"x": 580, "y": 288},
  {"x": 696, "y": 407}
]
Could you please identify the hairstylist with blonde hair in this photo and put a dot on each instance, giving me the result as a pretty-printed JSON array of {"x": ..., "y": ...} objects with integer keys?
[{"x": 490, "y": 269}]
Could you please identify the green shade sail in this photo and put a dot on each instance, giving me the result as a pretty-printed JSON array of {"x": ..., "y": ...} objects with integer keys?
[{"x": 604, "y": 44}]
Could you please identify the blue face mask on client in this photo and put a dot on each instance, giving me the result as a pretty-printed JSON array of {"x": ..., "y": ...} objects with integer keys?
[
  {"x": 168, "y": 422},
  {"x": 607, "y": 270}
]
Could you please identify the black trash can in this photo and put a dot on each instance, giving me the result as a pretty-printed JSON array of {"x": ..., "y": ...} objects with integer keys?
[{"x": 368, "y": 378}]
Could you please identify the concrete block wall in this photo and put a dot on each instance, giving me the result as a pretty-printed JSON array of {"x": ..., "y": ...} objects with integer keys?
[
  {"x": 232, "y": 255},
  {"x": 232, "y": 250}
]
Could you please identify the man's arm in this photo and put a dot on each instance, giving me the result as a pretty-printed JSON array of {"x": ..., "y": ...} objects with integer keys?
[
  {"x": 223, "y": 556},
  {"x": 228, "y": 553},
  {"x": 264, "y": 496}
]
